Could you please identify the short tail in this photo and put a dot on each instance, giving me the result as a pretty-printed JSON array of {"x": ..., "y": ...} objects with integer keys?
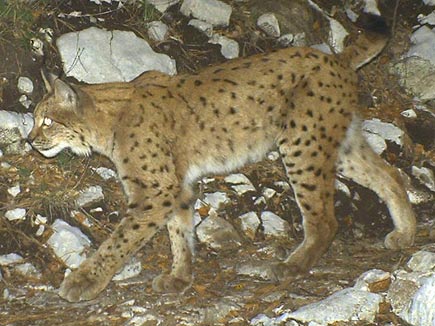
[{"x": 373, "y": 35}]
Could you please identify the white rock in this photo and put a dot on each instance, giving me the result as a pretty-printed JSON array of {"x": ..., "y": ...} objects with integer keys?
[
  {"x": 425, "y": 176},
  {"x": 105, "y": 173},
  {"x": 299, "y": 39},
  {"x": 250, "y": 223},
  {"x": 1, "y": 153},
  {"x": 16, "y": 214},
  {"x": 274, "y": 225},
  {"x": 410, "y": 113},
  {"x": 423, "y": 40},
  {"x": 286, "y": 39},
  {"x": 422, "y": 261},
  {"x": 40, "y": 230},
  {"x": 13, "y": 120},
  {"x": 343, "y": 306},
  {"x": 14, "y": 191},
  {"x": 257, "y": 269},
  {"x": 240, "y": 183},
  {"x": 162, "y": 5},
  {"x": 216, "y": 199},
  {"x": 109, "y": 56},
  {"x": 269, "y": 24},
  {"x": 10, "y": 259},
  {"x": 37, "y": 46},
  {"x": 68, "y": 243},
  {"x": 387, "y": 131},
  {"x": 337, "y": 35},
  {"x": 340, "y": 186},
  {"x": 429, "y": 19},
  {"x": 371, "y": 7},
  {"x": 218, "y": 233},
  {"x": 90, "y": 195},
  {"x": 202, "y": 26},
  {"x": 376, "y": 142},
  {"x": 27, "y": 269},
  {"x": 25, "y": 101},
  {"x": 369, "y": 278},
  {"x": 351, "y": 15},
  {"x": 229, "y": 47},
  {"x": 157, "y": 30},
  {"x": 132, "y": 269},
  {"x": 420, "y": 309},
  {"x": 273, "y": 156},
  {"x": 429, "y": 2},
  {"x": 260, "y": 200},
  {"x": 40, "y": 219},
  {"x": 268, "y": 192},
  {"x": 214, "y": 12},
  {"x": 25, "y": 85}
]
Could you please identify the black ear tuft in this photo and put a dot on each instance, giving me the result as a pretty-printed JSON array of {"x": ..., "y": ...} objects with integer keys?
[{"x": 373, "y": 23}]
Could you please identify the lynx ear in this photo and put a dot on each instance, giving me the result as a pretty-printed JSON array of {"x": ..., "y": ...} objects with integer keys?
[
  {"x": 48, "y": 79},
  {"x": 65, "y": 94}
]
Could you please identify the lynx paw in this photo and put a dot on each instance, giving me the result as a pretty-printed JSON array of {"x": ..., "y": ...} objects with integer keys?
[
  {"x": 82, "y": 284},
  {"x": 170, "y": 284},
  {"x": 399, "y": 240}
]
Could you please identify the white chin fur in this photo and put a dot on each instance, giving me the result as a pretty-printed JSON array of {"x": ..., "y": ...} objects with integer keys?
[{"x": 52, "y": 151}]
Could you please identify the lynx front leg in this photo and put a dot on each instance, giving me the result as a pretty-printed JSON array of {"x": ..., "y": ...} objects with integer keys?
[{"x": 93, "y": 275}]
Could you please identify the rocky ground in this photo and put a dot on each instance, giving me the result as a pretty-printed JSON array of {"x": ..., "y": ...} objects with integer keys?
[{"x": 54, "y": 213}]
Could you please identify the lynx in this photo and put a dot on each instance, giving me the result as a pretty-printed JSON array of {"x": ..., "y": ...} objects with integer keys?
[{"x": 163, "y": 133}]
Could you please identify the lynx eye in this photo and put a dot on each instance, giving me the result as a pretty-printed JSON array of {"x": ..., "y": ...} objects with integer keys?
[{"x": 47, "y": 122}]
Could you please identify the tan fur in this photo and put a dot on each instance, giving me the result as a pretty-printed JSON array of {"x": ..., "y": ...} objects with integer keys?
[{"x": 163, "y": 133}]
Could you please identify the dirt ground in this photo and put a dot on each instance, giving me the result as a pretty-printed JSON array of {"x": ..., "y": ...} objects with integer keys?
[{"x": 218, "y": 295}]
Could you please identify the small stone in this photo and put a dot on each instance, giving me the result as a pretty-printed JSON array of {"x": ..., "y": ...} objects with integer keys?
[
  {"x": 269, "y": 24},
  {"x": 40, "y": 230},
  {"x": 286, "y": 40},
  {"x": 106, "y": 173},
  {"x": 10, "y": 259},
  {"x": 216, "y": 199},
  {"x": 422, "y": 261},
  {"x": 229, "y": 47},
  {"x": 410, "y": 113},
  {"x": 273, "y": 156},
  {"x": 25, "y": 101},
  {"x": 259, "y": 270},
  {"x": 68, "y": 243},
  {"x": 157, "y": 30},
  {"x": 240, "y": 183},
  {"x": 202, "y": 26},
  {"x": 218, "y": 233},
  {"x": 249, "y": 224},
  {"x": 132, "y": 269},
  {"x": 25, "y": 85},
  {"x": 162, "y": 5},
  {"x": 16, "y": 214},
  {"x": 268, "y": 192},
  {"x": 425, "y": 176},
  {"x": 90, "y": 196},
  {"x": 40, "y": 219},
  {"x": 340, "y": 186},
  {"x": 274, "y": 225},
  {"x": 37, "y": 46},
  {"x": 374, "y": 280},
  {"x": 27, "y": 269},
  {"x": 14, "y": 191},
  {"x": 214, "y": 12}
]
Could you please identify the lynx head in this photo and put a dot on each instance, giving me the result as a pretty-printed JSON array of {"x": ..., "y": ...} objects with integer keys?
[{"x": 59, "y": 122}]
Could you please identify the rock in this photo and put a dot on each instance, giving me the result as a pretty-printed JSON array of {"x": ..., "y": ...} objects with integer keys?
[
  {"x": 105, "y": 173},
  {"x": 202, "y": 26},
  {"x": 215, "y": 199},
  {"x": 371, "y": 7},
  {"x": 14, "y": 128},
  {"x": 273, "y": 156},
  {"x": 109, "y": 56},
  {"x": 229, "y": 47},
  {"x": 259, "y": 270},
  {"x": 132, "y": 269},
  {"x": 274, "y": 226},
  {"x": 249, "y": 224},
  {"x": 25, "y": 101},
  {"x": 410, "y": 113},
  {"x": 218, "y": 233},
  {"x": 162, "y": 5},
  {"x": 340, "y": 186},
  {"x": 286, "y": 40},
  {"x": 422, "y": 261},
  {"x": 27, "y": 269},
  {"x": 25, "y": 85},
  {"x": 68, "y": 243},
  {"x": 14, "y": 191},
  {"x": 10, "y": 259},
  {"x": 268, "y": 192},
  {"x": 37, "y": 46},
  {"x": 157, "y": 30},
  {"x": 240, "y": 183},
  {"x": 269, "y": 24},
  {"x": 16, "y": 214},
  {"x": 337, "y": 35},
  {"x": 374, "y": 280},
  {"x": 423, "y": 40},
  {"x": 214, "y": 12},
  {"x": 343, "y": 306},
  {"x": 425, "y": 176},
  {"x": 387, "y": 131},
  {"x": 429, "y": 2},
  {"x": 429, "y": 19},
  {"x": 89, "y": 196}
]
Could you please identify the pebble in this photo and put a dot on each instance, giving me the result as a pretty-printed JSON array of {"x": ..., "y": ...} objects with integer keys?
[
  {"x": 90, "y": 196},
  {"x": 162, "y": 5},
  {"x": 422, "y": 261},
  {"x": 425, "y": 176},
  {"x": 16, "y": 214},
  {"x": 25, "y": 85},
  {"x": 218, "y": 233},
  {"x": 286, "y": 40},
  {"x": 273, "y": 225},
  {"x": 214, "y": 12},
  {"x": 202, "y": 26},
  {"x": 240, "y": 183},
  {"x": 215, "y": 199},
  {"x": 105, "y": 173},
  {"x": 229, "y": 47},
  {"x": 157, "y": 30},
  {"x": 68, "y": 243},
  {"x": 249, "y": 224},
  {"x": 25, "y": 101},
  {"x": 374, "y": 280},
  {"x": 269, "y": 24},
  {"x": 14, "y": 191},
  {"x": 10, "y": 259}
]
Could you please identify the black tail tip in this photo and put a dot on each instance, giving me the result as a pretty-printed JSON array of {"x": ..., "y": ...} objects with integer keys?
[{"x": 373, "y": 23}]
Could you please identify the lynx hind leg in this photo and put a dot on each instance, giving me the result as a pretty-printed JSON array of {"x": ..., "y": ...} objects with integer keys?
[
  {"x": 180, "y": 227},
  {"x": 358, "y": 162}
]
